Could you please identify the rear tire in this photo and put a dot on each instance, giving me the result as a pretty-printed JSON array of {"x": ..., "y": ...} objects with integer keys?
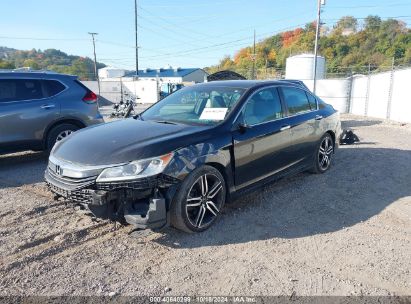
[
  {"x": 58, "y": 133},
  {"x": 323, "y": 154},
  {"x": 199, "y": 200}
]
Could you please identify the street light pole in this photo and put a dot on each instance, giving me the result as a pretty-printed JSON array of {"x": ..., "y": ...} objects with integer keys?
[
  {"x": 317, "y": 35},
  {"x": 136, "y": 28},
  {"x": 95, "y": 62},
  {"x": 254, "y": 57}
]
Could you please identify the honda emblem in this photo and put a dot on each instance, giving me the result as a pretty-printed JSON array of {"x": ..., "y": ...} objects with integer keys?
[{"x": 59, "y": 170}]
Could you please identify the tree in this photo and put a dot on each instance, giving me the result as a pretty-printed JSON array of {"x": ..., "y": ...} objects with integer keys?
[
  {"x": 376, "y": 43},
  {"x": 6, "y": 65},
  {"x": 372, "y": 23},
  {"x": 347, "y": 23},
  {"x": 31, "y": 63},
  {"x": 263, "y": 52},
  {"x": 50, "y": 59},
  {"x": 226, "y": 63}
]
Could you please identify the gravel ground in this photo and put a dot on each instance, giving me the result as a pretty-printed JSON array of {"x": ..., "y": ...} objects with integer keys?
[{"x": 346, "y": 232}]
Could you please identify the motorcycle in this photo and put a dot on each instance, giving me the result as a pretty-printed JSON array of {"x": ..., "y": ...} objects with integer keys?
[{"x": 124, "y": 109}]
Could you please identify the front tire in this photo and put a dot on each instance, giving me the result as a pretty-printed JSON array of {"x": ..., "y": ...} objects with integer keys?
[
  {"x": 323, "y": 154},
  {"x": 58, "y": 133},
  {"x": 199, "y": 200}
]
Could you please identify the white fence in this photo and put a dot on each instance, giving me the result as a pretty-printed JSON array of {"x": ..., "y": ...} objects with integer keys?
[
  {"x": 332, "y": 91},
  {"x": 383, "y": 95},
  {"x": 146, "y": 90}
]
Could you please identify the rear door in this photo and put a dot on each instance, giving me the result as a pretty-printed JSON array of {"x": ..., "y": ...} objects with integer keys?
[
  {"x": 261, "y": 147},
  {"x": 25, "y": 111},
  {"x": 304, "y": 121}
]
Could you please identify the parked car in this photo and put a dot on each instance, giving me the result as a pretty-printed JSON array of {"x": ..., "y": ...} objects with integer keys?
[
  {"x": 39, "y": 108},
  {"x": 183, "y": 158}
]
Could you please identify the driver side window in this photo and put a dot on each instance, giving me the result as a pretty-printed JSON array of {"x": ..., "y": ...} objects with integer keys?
[{"x": 263, "y": 106}]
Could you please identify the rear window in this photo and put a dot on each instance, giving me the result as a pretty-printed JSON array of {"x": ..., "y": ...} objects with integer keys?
[
  {"x": 20, "y": 89},
  {"x": 53, "y": 87},
  {"x": 312, "y": 101},
  {"x": 82, "y": 85},
  {"x": 296, "y": 99}
]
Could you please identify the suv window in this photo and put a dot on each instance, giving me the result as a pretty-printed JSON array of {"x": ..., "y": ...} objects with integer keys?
[
  {"x": 296, "y": 100},
  {"x": 20, "y": 89},
  {"x": 263, "y": 106},
  {"x": 8, "y": 89},
  {"x": 312, "y": 101},
  {"x": 53, "y": 87}
]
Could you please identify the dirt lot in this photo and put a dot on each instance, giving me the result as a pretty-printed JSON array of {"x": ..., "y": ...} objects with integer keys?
[{"x": 344, "y": 232}]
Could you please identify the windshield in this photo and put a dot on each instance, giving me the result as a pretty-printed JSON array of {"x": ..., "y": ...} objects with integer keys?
[{"x": 195, "y": 105}]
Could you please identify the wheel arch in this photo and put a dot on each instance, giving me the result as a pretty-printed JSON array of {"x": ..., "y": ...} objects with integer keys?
[
  {"x": 226, "y": 175},
  {"x": 332, "y": 134},
  {"x": 72, "y": 121}
]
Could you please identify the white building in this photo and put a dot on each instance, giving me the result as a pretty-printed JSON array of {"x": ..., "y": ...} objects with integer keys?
[
  {"x": 115, "y": 82},
  {"x": 171, "y": 75}
]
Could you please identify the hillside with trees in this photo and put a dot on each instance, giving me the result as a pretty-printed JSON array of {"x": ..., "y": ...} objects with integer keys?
[
  {"x": 347, "y": 47},
  {"x": 50, "y": 59}
]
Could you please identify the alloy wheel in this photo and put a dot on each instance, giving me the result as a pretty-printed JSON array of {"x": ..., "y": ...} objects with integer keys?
[
  {"x": 63, "y": 135},
  {"x": 204, "y": 200},
  {"x": 325, "y": 153}
]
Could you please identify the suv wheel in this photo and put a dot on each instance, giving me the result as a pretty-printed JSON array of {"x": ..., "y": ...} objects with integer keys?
[
  {"x": 58, "y": 133},
  {"x": 199, "y": 200}
]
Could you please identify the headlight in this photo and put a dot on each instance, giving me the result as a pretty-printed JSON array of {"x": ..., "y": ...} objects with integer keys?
[{"x": 135, "y": 169}]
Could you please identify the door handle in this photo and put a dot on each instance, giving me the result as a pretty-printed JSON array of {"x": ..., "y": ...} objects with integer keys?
[
  {"x": 318, "y": 117},
  {"x": 283, "y": 128},
  {"x": 48, "y": 106}
]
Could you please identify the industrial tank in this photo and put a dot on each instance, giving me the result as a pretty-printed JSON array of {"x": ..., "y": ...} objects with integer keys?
[
  {"x": 109, "y": 72},
  {"x": 302, "y": 67}
]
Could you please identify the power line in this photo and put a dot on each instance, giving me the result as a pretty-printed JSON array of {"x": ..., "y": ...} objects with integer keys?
[
  {"x": 364, "y": 18},
  {"x": 167, "y": 36},
  {"x": 206, "y": 48},
  {"x": 190, "y": 5},
  {"x": 173, "y": 24},
  {"x": 51, "y": 39},
  {"x": 372, "y": 6},
  {"x": 240, "y": 30}
]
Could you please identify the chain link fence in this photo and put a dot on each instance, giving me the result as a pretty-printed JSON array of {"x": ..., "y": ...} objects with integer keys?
[
  {"x": 362, "y": 90},
  {"x": 375, "y": 93}
]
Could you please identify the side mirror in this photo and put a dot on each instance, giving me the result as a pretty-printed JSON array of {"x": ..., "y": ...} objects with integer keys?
[{"x": 242, "y": 127}]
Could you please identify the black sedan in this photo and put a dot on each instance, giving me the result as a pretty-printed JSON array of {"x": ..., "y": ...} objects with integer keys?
[{"x": 183, "y": 158}]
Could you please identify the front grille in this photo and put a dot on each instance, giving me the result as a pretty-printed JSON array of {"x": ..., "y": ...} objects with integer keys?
[
  {"x": 70, "y": 183},
  {"x": 139, "y": 184},
  {"x": 161, "y": 180},
  {"x": 83, "y": 196},
  {"x": 76, "y": 196}
]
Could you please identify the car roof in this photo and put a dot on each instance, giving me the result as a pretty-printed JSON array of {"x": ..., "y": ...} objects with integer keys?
[
  {"x": 247, "y": 84},
  {"x": 36, "y": 74}
]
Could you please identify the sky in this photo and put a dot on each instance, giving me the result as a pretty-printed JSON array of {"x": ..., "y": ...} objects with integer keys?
[{"x": 180, "y": 33}]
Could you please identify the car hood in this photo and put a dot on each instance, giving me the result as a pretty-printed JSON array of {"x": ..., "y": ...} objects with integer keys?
[{"x": 125, "y": 140}]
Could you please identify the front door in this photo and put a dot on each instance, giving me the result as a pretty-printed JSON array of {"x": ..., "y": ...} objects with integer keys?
[
  {"x": 304, "y": 123},
  {"x": 261, "y": 144}
]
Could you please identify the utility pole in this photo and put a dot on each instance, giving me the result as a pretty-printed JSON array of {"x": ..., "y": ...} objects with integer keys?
[
  {"x": 317, "y": 35},
  {"x": 135, "y": 19},
  {"x": 389, "y": 103},
  {"x": 95, "y": 62},
  {"x": 254, "y": 57}
]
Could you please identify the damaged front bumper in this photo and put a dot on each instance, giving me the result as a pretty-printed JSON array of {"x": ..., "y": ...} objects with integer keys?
[{"x": 142, "y": 203}]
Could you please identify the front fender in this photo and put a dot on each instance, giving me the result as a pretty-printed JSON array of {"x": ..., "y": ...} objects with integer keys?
[{"x": 187, "y": 159}]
